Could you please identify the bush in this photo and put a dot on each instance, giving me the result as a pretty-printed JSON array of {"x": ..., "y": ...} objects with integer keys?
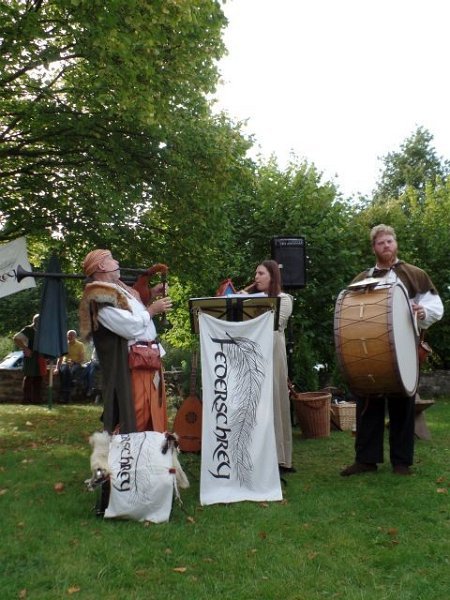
[{"x": 6, "y": 346}]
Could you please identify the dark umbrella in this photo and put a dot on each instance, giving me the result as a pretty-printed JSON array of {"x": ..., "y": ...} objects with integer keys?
[{"x": 51, "y": 338}]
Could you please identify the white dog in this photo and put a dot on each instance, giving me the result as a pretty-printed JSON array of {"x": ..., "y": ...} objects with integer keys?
[{"x": 99, "y": 442}]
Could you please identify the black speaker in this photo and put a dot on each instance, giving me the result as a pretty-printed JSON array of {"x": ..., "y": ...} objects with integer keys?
[{"x": 289, "y": 252}]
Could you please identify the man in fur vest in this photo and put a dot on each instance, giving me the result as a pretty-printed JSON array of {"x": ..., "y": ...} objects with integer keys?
[{"x": 113, "y": 315}]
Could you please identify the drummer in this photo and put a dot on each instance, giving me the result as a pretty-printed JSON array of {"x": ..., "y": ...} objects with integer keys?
[{"x": 370, "y": 411}]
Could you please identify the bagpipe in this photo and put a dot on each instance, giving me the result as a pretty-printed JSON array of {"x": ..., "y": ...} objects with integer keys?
[{"x": 136, "y": 278}]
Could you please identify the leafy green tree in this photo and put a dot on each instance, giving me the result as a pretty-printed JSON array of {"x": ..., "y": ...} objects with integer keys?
[
  {"x": 422, "y": 226},
  {"x": 92, "y": 93},
  {"x": 107, "y": 140},
  {"x": 415, "y": 164},
  {"x": 413, "y": 197},
  {"x": 295, "y": 202}
]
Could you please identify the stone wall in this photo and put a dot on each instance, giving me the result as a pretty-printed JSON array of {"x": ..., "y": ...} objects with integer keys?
[
  {"x": 11, "y": 387},
  {"x": 433, "y": 384}
]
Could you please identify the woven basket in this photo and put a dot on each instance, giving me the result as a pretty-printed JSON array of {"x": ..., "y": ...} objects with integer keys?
[
  {"x": 313, "y": 413},
  {"x": 344, "y": 416}
]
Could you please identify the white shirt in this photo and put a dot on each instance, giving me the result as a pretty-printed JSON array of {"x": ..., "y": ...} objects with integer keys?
[
  {"x": 132, "y": 325},
  {"x": 286, "y": 306},
  {"x": 432, "y": 303}
]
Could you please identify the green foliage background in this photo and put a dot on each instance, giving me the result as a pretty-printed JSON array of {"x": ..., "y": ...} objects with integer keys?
[{"x": 108, "y": 138}]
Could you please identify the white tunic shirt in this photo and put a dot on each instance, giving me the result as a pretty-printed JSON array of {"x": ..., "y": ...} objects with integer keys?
[
  {"x": 133, "y": 325},
  {"x": 432, "y": 303}
]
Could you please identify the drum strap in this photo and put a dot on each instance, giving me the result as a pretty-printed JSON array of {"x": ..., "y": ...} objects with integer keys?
[
  {"x": 374, "y": 272},
  {"x": 425, "y": 350}
]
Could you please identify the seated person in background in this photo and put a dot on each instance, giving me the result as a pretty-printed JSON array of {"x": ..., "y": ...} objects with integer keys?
[
  {"x": 90, "y": 371},
  {"x": 70, "y": 366}
]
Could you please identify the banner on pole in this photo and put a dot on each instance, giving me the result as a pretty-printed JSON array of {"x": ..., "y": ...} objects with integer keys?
[
  {"x": 13, "y": 254},
  {"x": 239, "y": 458}
]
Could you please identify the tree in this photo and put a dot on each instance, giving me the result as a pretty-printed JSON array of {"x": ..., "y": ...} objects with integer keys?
[
  {"x": 91, "y": 94},
  {"x": 421, "y": 220},
  {"x": 413, "y": 166},
  {"x": 107, "y": 138},
  {"x": 295, "y": 202}
]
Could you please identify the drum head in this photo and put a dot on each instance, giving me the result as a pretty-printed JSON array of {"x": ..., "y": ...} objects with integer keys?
[{"x": 405, "y": 341}]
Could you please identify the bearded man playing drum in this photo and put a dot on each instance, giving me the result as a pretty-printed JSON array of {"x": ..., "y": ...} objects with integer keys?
[{"x": 426, "y": 307}]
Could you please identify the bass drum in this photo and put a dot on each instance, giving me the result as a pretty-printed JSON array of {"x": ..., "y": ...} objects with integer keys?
[{"x": 376, "y": 340}]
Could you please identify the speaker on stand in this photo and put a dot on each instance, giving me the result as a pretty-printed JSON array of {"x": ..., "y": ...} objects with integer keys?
[{"x": 290, "y": 254}]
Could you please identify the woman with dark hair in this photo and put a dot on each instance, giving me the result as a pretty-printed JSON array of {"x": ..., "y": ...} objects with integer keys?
[{"x": 268, "y": 280}]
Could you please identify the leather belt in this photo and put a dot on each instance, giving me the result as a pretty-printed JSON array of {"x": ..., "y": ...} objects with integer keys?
[{"x": 144, "y": 342}]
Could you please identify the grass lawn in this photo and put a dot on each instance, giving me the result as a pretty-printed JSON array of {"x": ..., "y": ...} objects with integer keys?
[{"x": 374, "y": 536}]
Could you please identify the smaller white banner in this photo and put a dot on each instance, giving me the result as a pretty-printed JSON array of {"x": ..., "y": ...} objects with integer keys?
[
  {"x": 142, "y": 477},
  {"x": 239, "y": 458},
  {"x": 13, "y": 254}
]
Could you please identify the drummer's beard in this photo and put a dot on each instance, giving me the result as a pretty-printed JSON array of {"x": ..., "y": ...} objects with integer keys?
[{"x": 386, "y": 259}]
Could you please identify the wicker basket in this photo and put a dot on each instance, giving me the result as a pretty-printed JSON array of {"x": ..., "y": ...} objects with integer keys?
[
  {"x": 343, "y": 415},
  {"x": 313, "y": 413}
]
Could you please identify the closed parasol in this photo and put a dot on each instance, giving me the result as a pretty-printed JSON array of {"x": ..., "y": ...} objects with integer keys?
[{"x": 51, "y": 338}]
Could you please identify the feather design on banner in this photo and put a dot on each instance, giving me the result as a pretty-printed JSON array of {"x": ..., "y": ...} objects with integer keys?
[
  {"x": 239, "y": 457},
  {"x": 247, "y": 359}
]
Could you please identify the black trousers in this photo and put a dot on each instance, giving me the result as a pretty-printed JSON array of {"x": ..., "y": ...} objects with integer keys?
[
  {"x": 32, "y": 389},
  {"x": 370, "y": 429},
  {"x": 67, "y": 374}
]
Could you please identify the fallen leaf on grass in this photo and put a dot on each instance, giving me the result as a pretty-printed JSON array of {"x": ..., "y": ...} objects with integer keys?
[
  {"x": 442, "y": 491},
  {"x": 58, "y": 487},
  {"x": 264, "y": 505},
  {"x": 190, "y": 519},
  {"x": 262, "y": 535},
  {"x": 73, "y": 590},
  {"x": 440, "y": 480},
  {"x": 23, "y": 594},
  {"x": 3, "y": 491},
  {"x": 392, "y": 531},
  {"x": 312, "y": 555},
  {"x": 180, "y": 569},
  {"x": 29, "y": 424}
]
